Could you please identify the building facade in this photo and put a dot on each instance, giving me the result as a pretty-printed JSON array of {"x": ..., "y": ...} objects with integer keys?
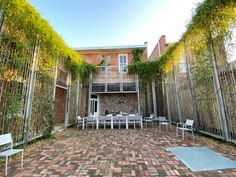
[{"x": 112, "y": 89}]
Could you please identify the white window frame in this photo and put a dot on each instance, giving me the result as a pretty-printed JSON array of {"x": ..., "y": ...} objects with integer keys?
[{"x": 127, "y": 61}]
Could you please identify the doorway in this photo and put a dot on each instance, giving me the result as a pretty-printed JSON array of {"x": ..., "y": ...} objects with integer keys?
[
  {"x": 60, "y": 105},
  {"x": 94, "y": 105}
]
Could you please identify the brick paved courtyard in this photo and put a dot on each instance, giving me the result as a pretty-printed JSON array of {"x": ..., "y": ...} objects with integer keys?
[{"x": 112, "y": 153}]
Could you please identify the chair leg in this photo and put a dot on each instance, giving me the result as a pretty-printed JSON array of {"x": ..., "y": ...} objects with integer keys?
[
  {"x": 183, "y": 134},
  {"x": 192, "y": 134},
  {"x": 6, "y": 165},
  {"x": 176, "y": 131}
]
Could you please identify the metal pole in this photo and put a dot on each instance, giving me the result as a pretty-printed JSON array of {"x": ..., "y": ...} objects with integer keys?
[
  {"x": 67, "y": 100},
  {"x": 55, "y": 80},
  {"x": 30, "y": 93},
  {"x": 177, "y": 94},
  {"x": 167, "y": 99},
  {"x": 89, "y": 96},
  {"x": 2, "y": 18},
  {"x": 77, "y": 97},
  {"x": 138, "y": 93},
  {"x": 192, "y": 88},
  {"x": 154, "y": 98},
  {"x": 218, "y": 91}
]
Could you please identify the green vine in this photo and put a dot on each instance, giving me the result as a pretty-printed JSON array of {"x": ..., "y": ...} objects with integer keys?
[
  {"x": 212, "y": 18},
  {"x": 24, "y": 25},
  {"x": 137, "y": 53}
]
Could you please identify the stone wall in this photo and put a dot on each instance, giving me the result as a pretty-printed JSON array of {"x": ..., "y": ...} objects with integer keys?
[{"x": 115, "y": 102}]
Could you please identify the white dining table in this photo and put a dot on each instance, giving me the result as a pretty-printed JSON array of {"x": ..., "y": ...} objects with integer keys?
[{"x": 104, "y": 118}]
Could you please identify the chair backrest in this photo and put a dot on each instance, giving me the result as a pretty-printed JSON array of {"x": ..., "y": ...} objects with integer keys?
[
  {"x": 161, "y": 118},
  {"x": 151, "y": 116},
  {"x": 6, "y": 139},
  {"x": 132, "y": 115},
  {"x": 189, "y": 122}
]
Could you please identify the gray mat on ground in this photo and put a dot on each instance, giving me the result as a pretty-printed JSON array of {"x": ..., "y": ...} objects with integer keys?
[{"x": 202, "y": 158}]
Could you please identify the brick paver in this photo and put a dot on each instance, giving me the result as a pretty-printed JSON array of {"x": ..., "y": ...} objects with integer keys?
[{"x": 121, "y": 153}]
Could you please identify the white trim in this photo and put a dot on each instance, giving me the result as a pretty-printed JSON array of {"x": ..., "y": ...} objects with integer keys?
[
  {"x": 61, "y": 87},
  {"x": 127, "y": 62}
]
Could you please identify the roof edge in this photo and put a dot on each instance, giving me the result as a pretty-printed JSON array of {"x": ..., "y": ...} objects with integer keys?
[{"x": 111, "y": 47}]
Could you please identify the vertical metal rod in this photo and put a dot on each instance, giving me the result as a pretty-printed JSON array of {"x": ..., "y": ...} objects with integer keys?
[
  {"x": 2, "y": 18},
  {"x": 192, "y": 88},
  {"x": 77, "y": 97},
  {"x": 154, "y": 98},
  {"x": 177, "y": 93},
  {"x": 89, "y": 96},
  {"x": 167, "y": 99},
  {"x": 30, "y": 93},
  {"x": 68, "y": 100},
  {"x": 138, "y": 93},
  {"x": 218, "y": 90},
  {"x": 106, "y": 70},
  {"x": 55, "y": 81}
]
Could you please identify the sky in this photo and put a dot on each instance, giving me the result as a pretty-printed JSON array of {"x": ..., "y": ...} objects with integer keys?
[{"x": 93, "y": 23}]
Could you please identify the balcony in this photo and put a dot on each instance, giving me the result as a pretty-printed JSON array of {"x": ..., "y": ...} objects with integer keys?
[{"x": 110, "y": 80}]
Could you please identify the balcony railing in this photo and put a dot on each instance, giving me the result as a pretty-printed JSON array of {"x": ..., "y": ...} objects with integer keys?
[{"x": 109, "y": 79}]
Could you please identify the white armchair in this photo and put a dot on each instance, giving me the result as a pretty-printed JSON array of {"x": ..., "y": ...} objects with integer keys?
[
  {"x": 163, "y": 121},
  {"x": 187, "y": 126}
]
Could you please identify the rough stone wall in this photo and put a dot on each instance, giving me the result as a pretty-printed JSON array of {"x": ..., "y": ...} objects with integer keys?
[{"x": 118, "y": 102}]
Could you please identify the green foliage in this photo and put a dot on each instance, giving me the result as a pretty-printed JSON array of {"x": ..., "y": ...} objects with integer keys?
[
  {"x": 24, "y": 25},
  {"x": 137, "y": 53},
  {"x": 145, "y": 70},
  {"x": 212, "y": 19},
  {"x": 49, "y": 118},
  {"x": 85, "y": 69}
]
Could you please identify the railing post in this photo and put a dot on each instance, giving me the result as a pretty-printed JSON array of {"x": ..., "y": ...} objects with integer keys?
[
  {"x": 106, "y": 70},
  {"x": 192, "y": 89},
  {"x": 177, "y": 93},
  {"x": 154, "y": 98},
  {"x": 121, "y": 82},
  {"x": 218, "y": 91},
  {"x": 30, "y": 93}
]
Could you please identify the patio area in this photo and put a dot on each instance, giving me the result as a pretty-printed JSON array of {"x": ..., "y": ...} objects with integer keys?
[{"x": 118, "y": 152}]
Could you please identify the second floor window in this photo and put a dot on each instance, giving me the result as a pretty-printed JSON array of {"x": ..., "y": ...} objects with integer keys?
[{"x": 123, "y": 63}]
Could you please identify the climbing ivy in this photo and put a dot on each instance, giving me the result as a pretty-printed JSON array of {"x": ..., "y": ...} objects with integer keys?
[
  {"x": 211, "y": 19},
  {"x": 24, "y": 26}
]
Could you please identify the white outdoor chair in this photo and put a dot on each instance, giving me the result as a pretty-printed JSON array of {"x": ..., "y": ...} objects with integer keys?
[
  {"x": 107, "y": 120},
  {"x": 79, "y": 121},
  {"x": 5, "y": 140},
  {"x": 187, "y": 126},
  {"x": 90, "y": 121},
  {"x": 149, "y": 120},
  {"x": 163, "y": 121}
]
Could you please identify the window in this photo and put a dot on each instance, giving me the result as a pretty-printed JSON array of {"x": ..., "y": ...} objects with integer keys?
[{"x": 123, "y": 63}]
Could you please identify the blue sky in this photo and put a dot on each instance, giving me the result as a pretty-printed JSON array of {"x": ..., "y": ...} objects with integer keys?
[{"x": 91, "y": 23}]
